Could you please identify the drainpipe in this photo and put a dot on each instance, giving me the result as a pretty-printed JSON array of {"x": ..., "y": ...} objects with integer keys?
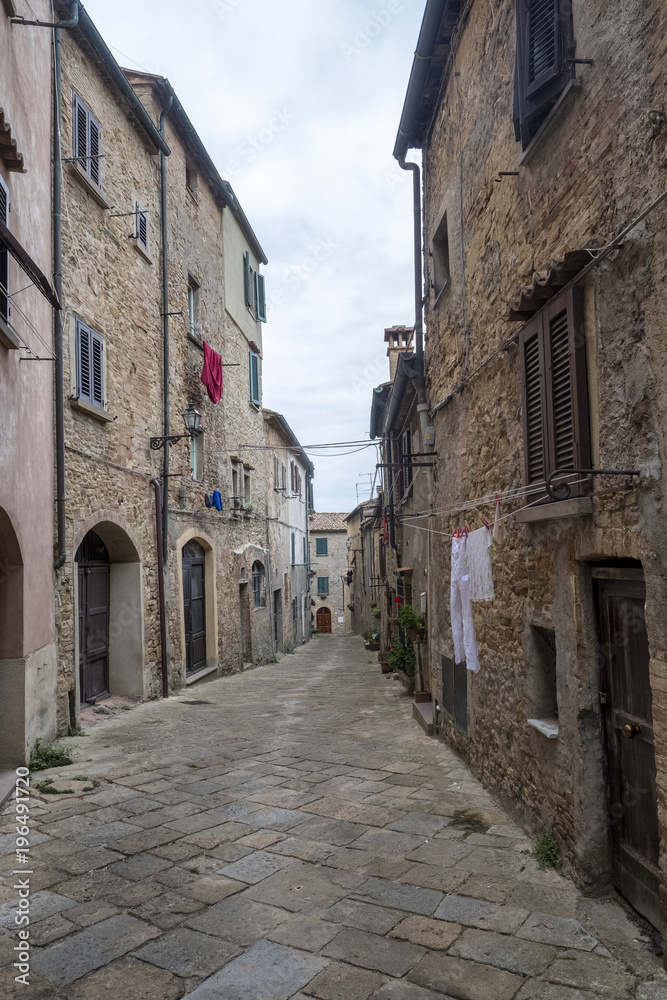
[
  {"x": 160, "y": 583},
  {"x": 165, "y": 331}
]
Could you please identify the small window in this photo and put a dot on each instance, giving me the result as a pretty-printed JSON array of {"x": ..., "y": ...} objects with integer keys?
[
  {"x": 322, "y": 546},
  {"x": 141, "y": 229},
  {"x": 284, "y": 477},
  {"x": 247, "y": 279},
  {"x": 258, "y": 589},
  {"x": 4, "y": 254},
  {"x": 305, "y": 555},
  {"x": 294, "y": 608},
  {"x": 260, "y": 297},
  {"x": 293, "y": 548},
  {"x": 255, "y": 396},
  {"x": 276, "y": 473},
  {"x": 193, "y": 308},
  {"x": 235, "y": 485},
  {"x": 89, "y": 365},
  {"x": 191, "y": 180},
  {"x": 323, "y": 585},
  {"x": 87, "y": 140},
  {"x": 246, "y": 488},
  {"x": 542, "y": 666},
  {"x": 455, "y": 693},
  {"x": 440, "y": 258},
  {"x": 544, "y": 49},
  {"x": 197, "y": 456}
]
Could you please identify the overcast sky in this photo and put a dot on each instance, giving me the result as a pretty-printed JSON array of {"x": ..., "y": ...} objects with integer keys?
[{"x": 298, "y": 103}]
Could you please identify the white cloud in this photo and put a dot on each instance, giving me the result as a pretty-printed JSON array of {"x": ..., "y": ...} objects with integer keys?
[{"x": 340, "y": 68}]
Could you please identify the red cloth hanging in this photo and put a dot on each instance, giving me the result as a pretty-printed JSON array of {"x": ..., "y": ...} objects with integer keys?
[{"x": 211, "y": 375}]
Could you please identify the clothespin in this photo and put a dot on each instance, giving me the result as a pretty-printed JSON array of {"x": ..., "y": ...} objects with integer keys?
[
  {"x": 497, "y": 499},
  {"x": 466, "y": 531},
  {"x": 486, "y": 524}
]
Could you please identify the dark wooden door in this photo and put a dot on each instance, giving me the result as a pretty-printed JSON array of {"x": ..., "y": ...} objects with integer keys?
[
  {"x": 246, "y": 628},
  {"x": 194, "y": 606},
  {"x": 323, "y": 620},
  {"x": 625, "y": 683},
  {"x": 93, "y": 580},
  {"x": 278, "y": 619}
]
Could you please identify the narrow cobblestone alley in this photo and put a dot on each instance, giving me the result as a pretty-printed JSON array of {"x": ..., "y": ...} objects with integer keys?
[{"x": 288, "y": 833}]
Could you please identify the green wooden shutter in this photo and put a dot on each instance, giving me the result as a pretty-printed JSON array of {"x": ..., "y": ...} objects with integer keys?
[
  {"x": 97, "y": 369},
  {"x": 95, "y": 151},
  {"x": 260, "y": 298},
  {"x": 84, "y": 383},
  {"x": 254, "y": 379},
  {"x": 247, "y": 279}
]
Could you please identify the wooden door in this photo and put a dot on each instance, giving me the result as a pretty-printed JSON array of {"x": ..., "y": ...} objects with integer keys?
[
  {"x": 323, "y": 620},
  {"x": 246, "y": 628},
  {"x": 93, "y": 596},
  {"x": 278, "y": 619},
  {"x": 194, "y": 606},
  {"x": 625, "y": 686}
]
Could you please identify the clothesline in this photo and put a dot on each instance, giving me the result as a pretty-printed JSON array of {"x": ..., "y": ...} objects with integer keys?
[
  {"x": 486, "y": 501},
  {"x": 511, "y": 513}
]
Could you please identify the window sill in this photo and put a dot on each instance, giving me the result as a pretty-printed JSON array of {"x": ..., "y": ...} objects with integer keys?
[
  {"x": 84, "y": 180},
  {"x": 8, "y": 337},
  {"x": 92, "y": 411},
  {"x": 548, "y": 727},
  {"x": 204, "y": 672},
  {"x": 143, "y": 252},
  {"x": 550, "y": 511},
  {"x": 538, "y": 138},
  {"x": 10, "y": 7},
  {"x": 199, "y": 341},
  {"x": 442, "y": 291}
]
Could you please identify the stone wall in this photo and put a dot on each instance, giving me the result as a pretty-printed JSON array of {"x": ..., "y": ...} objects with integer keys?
[{"x": 581, "y": 185}]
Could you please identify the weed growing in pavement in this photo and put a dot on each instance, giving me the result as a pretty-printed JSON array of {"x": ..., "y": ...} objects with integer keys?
[
  {"x": 45, "y": 755},
  {"x": 75, "y": 731},
  {"x": 547, "y": 852},
  {"x": 192, "y": 765},
  {"x": 102, "y": 711},
  {"x": 126, "y": 708},
  {"x": 46, "y": 788},
  {"x": 289, "y": 649},
  {"x": 195, "y": 871},
  {"x": 274, "y": 659}
]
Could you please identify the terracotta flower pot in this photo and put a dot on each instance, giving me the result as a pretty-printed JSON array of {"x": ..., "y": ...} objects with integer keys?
[
  {"x": 374, "y": 646},
  {"x": 393, "y": 621},
  {"x": 386, "y": 669},
  {"x": 415, "y": 634}
]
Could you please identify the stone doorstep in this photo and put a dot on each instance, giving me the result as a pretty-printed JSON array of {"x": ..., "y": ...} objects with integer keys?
[
  {"x": 423, "y": 712},
  {"x": 7, "y": 783}
]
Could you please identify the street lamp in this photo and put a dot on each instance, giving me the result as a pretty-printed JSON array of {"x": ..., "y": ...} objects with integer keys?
[
  {"x": 191, "y": 419},
  {"x": 348, "y": 544}
]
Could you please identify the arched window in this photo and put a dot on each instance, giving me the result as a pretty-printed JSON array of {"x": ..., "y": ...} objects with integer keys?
[{"x": 258, "y": 587}]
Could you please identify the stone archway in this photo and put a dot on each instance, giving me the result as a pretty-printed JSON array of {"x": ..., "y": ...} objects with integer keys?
[
  {"x": 12, "y": 652},
  {"x": 125, "y": 621}
]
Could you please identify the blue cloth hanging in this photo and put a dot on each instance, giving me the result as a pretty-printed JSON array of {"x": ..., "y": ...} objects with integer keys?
[{"x": 217, "y": 500}]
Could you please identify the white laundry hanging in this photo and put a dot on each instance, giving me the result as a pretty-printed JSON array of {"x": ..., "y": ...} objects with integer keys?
[
  {"x": 463, "y": 628},
  {"x": 478, "y": 553}
]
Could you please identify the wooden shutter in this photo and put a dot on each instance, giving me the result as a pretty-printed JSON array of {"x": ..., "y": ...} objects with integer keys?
[
  {"x": 545, "y": 41},
  {"x": 141, "y": 227},
  {"x": 4, "y": 254},
  {"x": 555, "y": 390},
  {"x": 80, "y": 132},
  {"x": 247, "y": 279},
  {"x": 95, "y": 150},
  {"x": 254, "y": 378},
  {"x": 260, "y": 298},
  {"x": 97, "y": 368},
  {"x": 90, "y": 365}
]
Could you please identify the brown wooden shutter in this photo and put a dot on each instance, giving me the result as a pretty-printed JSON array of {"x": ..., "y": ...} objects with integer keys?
[
  {"x": 533, "y": 399},
  {"x": 80, "y": 131},
  {"x": 95, "y": 150},
  {"x": 545, "y": 41},
  {"x": 97, "y": 369},
  {"x": 4, "y": 254}
]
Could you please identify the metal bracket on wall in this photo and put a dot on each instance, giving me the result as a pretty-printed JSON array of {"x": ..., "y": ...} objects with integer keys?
[{"x": 561, "y": 491}]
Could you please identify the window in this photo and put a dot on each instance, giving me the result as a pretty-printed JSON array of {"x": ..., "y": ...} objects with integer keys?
[
  {"x": 305, "y": 555},
  {"x": 89, "y": 365},
  {"x": 260, "y": 297},
  {"x": 455, "y": 693},
  {"x": 4, "y": 254},
  {"x": 258, "y": 589},
  {"x": 440, "y": 257},
  {"x": 293, "y": 548},
  {"x": 284, "y": 477},
  {"x": 322, "y": 546},
  {"x": 542, "y": 665},
  {"x": 193, "y": 308},
  {"x": 141, "y": 228},
  {"x": 191, "y": 180},
  {"x": 235, "y": 485},
  {"x": 294, "y": 609},
  {"x": 246, "y": 488},
  {"x": 247, "y": 279},
  {"x": 276, "y": 473},
  {"x": 255, "y": 397},
  {"x": 197, "y": 456},
  {"x": 323, "y": 585},
  {"x": 554, "y": 390},
  {"x": 405, "y": 466},
  {"x": 544, "y": 47},
  {"x": 87, "y": 141}
]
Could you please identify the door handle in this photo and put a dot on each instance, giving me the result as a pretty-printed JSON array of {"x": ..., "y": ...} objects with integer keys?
[{"x": 630, "y": 731}]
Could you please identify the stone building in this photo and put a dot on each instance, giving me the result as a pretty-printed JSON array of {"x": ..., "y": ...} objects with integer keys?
[
  {"x": 142, "y": 201},
  {"x": 368, "y": 565},
  {"x": 288, "y": 474},
  {"x": 544, "y": 260},
  {"x": 329, "y": 570},
  {"x": 28, "y": 653}
]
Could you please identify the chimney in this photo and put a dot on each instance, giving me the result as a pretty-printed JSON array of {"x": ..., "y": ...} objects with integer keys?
[{"x": 399, "y": 341}]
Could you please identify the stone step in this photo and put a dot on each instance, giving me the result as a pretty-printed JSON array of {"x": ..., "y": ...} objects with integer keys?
[{"x": 422, "y": 711}]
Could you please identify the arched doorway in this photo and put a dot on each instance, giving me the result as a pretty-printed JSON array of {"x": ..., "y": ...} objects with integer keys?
[
  {"x": 194, "y": 606},
  {"x": 323, "y": 618},
  {"x": 94, "y": 579}
]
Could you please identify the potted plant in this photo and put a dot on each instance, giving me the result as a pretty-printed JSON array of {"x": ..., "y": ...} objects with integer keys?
[
  {"x": 413, "y": 623},
  {"x": 383, "y": 660},
  {"x": 401, "y": 658},
  {"x": 375, "y": 611},
  {"x": 375, "y": 641}
]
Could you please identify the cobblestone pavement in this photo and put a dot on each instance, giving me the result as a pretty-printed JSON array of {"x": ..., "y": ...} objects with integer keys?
[{"x": 292, "y": 833}]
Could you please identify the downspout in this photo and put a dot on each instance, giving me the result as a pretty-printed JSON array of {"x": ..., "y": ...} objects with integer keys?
[
  {"x": 160, "y": 584},
  {"x": 165, "y": 331}
]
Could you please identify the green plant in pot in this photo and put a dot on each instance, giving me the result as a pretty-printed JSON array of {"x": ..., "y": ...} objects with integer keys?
[
  {"x": 413, "y": 623},
  {"x": 401, "y": 658},
  {"x": 375, "y": 611}
]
